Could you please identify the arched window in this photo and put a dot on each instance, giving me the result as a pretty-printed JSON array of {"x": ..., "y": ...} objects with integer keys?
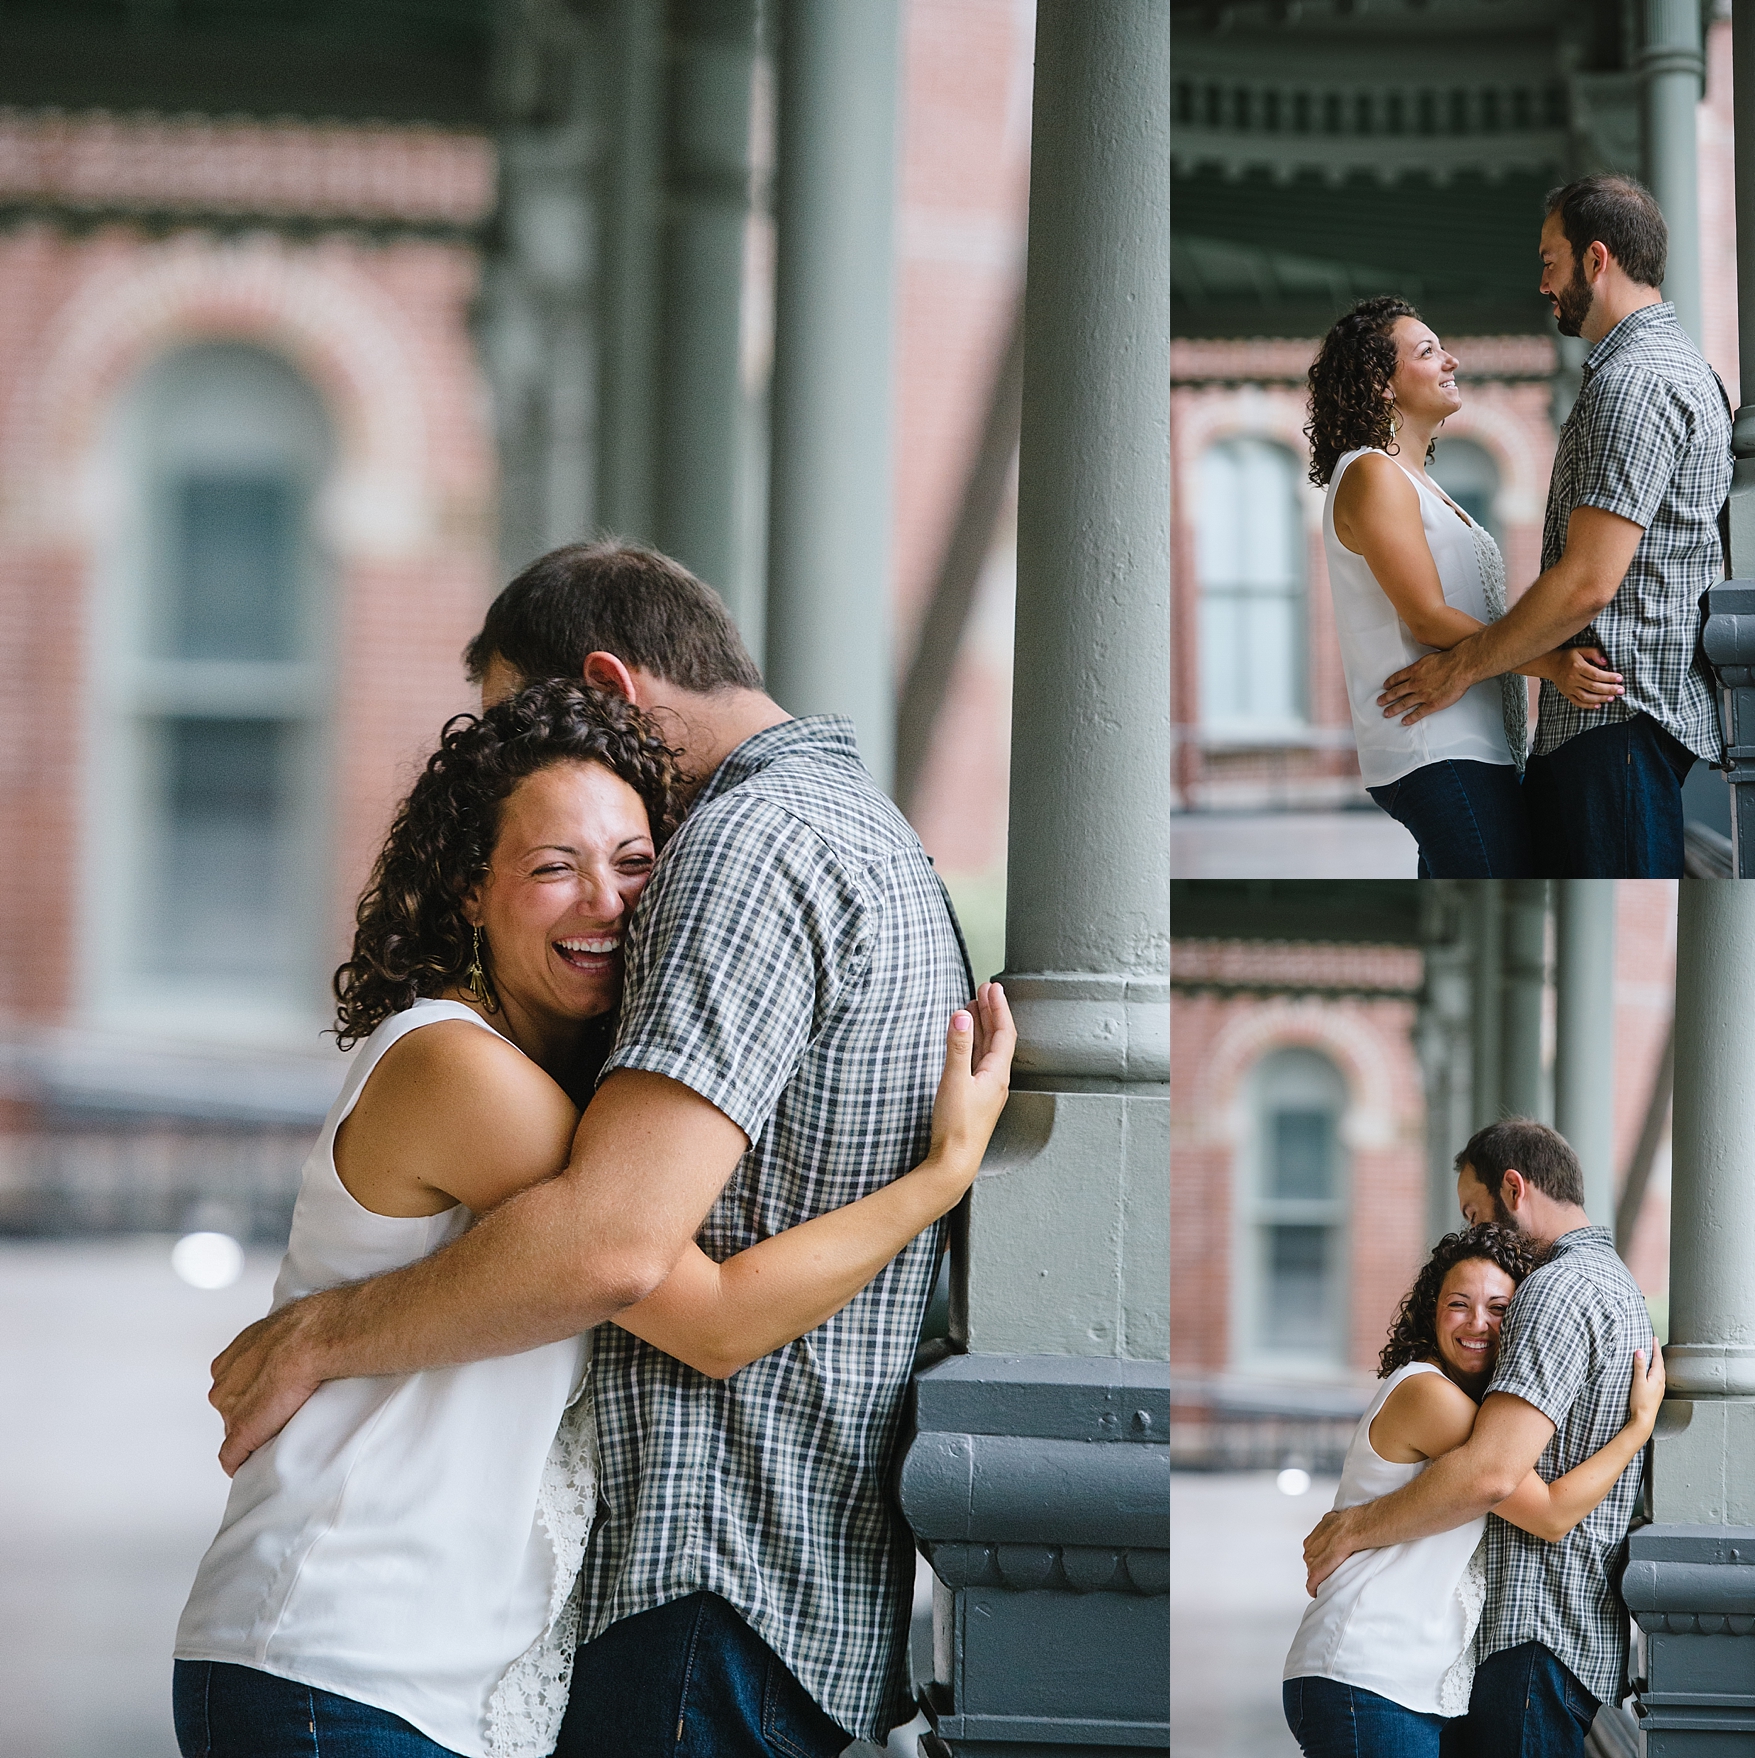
[
  {"x": 212, "y": 689},
  {"x": 1467, "y": 473},
  {"x": 1293, "y": 1210},
  {"x": 1251, "y": 558}
]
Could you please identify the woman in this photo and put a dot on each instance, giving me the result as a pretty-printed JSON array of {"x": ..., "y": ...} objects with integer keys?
[
  {"x": 395, "y": 1571},
  {"x": 1384, "y": 1655},
  {"x": 1410, "y": 571}
]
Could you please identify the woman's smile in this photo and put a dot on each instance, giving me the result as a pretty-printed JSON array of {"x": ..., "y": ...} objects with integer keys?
[
  {"x": 594, "y": 955},
  {"x": 573, "y": 855},
  {"x": 1472, "y": 1304}
]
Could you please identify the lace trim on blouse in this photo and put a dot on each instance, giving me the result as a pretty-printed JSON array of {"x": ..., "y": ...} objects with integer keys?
[
  {"x": 1459, "y": 1676},
  {"x": 524, "y": 1714}
]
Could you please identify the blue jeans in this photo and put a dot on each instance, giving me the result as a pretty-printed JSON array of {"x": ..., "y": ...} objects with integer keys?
[
  {"x": 1527, "y": 1704},
  {"x": 1608, "y": 803},
  {"x": 1468, "y": 819},
  {"x": 225, "y": 1711},
  {"x": 690, "y": 1680},
  {"x": 1332, "y": 1720}
]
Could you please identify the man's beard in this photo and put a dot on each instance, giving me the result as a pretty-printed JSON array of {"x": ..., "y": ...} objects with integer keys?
[{"x": 1572, "y": 303}]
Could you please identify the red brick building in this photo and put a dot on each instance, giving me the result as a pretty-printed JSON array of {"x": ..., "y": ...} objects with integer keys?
[{"x": 248, "y": 521}]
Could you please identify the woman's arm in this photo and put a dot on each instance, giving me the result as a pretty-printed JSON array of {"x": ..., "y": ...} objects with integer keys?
[
  {"x": 1551, "y": 1510},
  {"x": 1377, "y": 516},
  {"x": 1427, "y": 1414},
  {"x": 719, "y": 1317},
  {"x": 456, "y": 1114}
]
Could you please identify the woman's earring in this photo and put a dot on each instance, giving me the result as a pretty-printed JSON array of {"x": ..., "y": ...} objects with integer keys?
[
  {"x": 476, "y": 985},
  {"x": 1395, "y": 426}
]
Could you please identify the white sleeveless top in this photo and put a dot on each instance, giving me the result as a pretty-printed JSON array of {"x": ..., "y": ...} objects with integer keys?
[
  {"x": 1376, "y": 643},
  {"x": 1398, "y": 1621},
  {"x": 412, "y": 1542}
]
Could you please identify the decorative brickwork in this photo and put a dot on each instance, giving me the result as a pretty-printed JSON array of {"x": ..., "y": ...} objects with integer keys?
[{"x": 381, "y": 334}]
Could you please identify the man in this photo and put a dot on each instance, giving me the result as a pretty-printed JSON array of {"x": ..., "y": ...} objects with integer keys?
[
  {"x": 1552, "y": 1642},
  {"x": 1630, "y": 544},
  {"x": 791, "y": 967}
]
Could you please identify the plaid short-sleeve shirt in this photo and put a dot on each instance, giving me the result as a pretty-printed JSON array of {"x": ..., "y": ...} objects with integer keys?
[
  {"x": 1650, "y": 439},
  {"x": 795, "y": 961},
  {"x": 1567, "y": 1348}
]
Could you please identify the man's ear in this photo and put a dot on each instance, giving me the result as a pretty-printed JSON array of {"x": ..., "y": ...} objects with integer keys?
[
  {"x": 1596, "y": 261},
  {"x": 1514, "y": 1190},
  {"x": 603, "y": 671}
]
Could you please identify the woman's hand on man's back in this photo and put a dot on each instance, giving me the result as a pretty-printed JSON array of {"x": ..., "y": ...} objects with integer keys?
[{"x": 972, "y": 1091}]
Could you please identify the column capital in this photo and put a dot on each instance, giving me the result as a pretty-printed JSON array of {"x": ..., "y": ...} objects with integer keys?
[
  {"x": 1710, "y": 1370},
  {"x": 1091, "y": 1025}
]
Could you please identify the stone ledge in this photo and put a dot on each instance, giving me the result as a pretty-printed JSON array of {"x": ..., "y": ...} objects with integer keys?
[
  {"x": 1019, "y": 1489},
  {"x": 1071, "y": 1568}
]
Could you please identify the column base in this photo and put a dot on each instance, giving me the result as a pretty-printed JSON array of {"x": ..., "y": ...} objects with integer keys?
[
  {"x": 1038, "y": 1487},
  {"x": 1691, "y": 1590}
]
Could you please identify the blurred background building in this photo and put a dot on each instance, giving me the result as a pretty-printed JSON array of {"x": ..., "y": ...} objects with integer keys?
[
  {"x": 1327, "y": 153},
  {"x": 316, "y": 323}
]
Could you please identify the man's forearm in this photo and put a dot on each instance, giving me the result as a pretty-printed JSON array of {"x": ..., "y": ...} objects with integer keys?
[
  {"x": 1556, "y": 607},
  {"x": 523, "y": 1276},
  {"x": 1454, "y": 1489}
]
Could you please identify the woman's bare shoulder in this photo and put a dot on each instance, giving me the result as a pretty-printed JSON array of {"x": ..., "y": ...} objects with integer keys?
[
  {"x": 1427, "y": 1414},
  {"x": 455, "y": 1109}
]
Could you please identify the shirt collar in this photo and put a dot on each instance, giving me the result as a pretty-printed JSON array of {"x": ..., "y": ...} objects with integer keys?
[
  {"x": 1591, "y": 1238},
  {"x": 1627, "y": 331},
  {"x": 822, "y": 735}
]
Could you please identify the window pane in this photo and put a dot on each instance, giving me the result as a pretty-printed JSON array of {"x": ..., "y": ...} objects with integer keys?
[
  {"x": 221, "y": 903},
  {"x": 1297, "y": 1312},
  {"x": 1301, "y": 1163},
  {"x": 233, "y": 575},
  {"x": 1251, "y": 572}
]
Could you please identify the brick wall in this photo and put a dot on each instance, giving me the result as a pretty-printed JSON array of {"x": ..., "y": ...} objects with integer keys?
[{"x": 380, "y": 330}]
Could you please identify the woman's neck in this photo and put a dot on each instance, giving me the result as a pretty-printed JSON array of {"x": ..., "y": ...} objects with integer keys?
[
  {"x": 1413, "y": 440},
  {"x": 1475, "y": 1384},
  {"x": 552, "y": 1041}
]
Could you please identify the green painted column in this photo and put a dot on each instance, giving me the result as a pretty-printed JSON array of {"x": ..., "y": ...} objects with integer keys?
[
  {"x": 712, "y": 445},
  {"x": 1671, "y": 67},
  {"x": 1523, "y": 1087},
  {"x": 1487, "y": 936},
  {"x": 1038, "y": 1481},
  {"x": 1691, "y": 1573},
  {"x": 1584, "y": 1050},
  {"x": 631, "y": 73},
  {"x": 828, "y": 640},
  {"x": 537, "y": 323}
]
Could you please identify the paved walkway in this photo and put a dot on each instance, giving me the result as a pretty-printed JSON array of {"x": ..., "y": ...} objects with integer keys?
[
  {"x": 110, "y": 1484},
  {"x": 1290, "y": 845},
  {"x": 1236, "y": 1595}
]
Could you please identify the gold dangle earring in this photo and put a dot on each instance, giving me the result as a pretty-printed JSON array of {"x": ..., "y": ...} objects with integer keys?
[{"x": 476, "y": 985}]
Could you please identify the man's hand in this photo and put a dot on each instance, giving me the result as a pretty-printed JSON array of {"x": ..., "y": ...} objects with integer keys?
[
  {"x": 261, "y": 1379},
  {"x": 1329, "y": 1545},
  {"x": 1583, "y": 677},
  {"x": 1429, "y": 684}
]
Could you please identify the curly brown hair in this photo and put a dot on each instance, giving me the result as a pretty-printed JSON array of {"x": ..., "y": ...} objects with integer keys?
[
  {"x": 1347, "y": 379},
  {"x": 411, "y": 939},
  {"x": 1414, "y": 1334}
]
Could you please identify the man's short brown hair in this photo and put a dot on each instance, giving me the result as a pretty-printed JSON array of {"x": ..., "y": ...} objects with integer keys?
[
  {"x": 613, "y": 597},
  {"x": 1543, "y": 1155},
  {"x": 1623, "y": 216}
]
